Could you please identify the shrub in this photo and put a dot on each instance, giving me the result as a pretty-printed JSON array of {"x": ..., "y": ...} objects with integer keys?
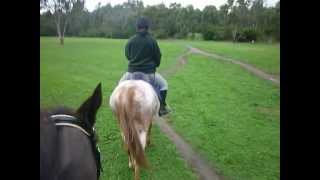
[
  {"x": 190, "y": 36},
  {"x": 198, "y": 36},
  {"x": 216, "y": 33},
  {"x": 246, "y": 35},
  {"x": 160, "y": 33}
]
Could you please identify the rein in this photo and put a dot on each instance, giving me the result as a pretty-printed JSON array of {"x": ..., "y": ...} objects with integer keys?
[{"x": 71, "y": 121}]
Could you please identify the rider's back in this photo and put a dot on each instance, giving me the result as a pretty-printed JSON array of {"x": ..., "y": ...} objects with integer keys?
[{"x": 143, "y": 53}]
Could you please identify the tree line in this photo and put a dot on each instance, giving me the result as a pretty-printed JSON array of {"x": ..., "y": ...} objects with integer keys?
[{"x": 236, "y": 20}]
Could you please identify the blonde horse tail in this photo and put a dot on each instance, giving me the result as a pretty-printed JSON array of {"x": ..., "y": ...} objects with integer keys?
[{"x": 128, "y": 114}]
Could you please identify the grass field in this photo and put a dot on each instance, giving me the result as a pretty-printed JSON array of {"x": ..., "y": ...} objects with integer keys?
[
  {"x": 68, "y": 76},
  {"x": 230, "y": 116},
  {"x": 263, "y": 56}
]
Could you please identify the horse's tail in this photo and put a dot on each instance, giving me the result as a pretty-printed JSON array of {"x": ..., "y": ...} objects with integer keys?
[{"x": 128, "y": 113}]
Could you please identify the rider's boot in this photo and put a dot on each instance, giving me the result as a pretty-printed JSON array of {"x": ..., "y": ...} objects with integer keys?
[{"x": 163, "y": 105}]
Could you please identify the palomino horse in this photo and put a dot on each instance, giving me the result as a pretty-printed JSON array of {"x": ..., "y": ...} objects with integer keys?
[
  {"x": 68, "y": 142},
  {"x": 135, "y": 104}
]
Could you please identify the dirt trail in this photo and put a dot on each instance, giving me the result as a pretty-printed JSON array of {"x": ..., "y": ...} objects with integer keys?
[
  {"x": 182, "y": 60},
  {"x": 248, "y": 67},
  {"x": 198, "y": 164}
]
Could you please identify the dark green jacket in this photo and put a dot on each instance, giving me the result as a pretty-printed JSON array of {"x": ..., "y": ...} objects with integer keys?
[{"x": 143, "y": 53}]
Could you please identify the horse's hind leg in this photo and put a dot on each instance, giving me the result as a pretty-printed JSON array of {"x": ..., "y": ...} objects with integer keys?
[
  {"x": 123, "y": 142},
  {"x": 130, "y": 159},
  {"x": 149, "y": 134},
  {"x": 136, "y": 172},
  {"x": 130, "y": 162}
]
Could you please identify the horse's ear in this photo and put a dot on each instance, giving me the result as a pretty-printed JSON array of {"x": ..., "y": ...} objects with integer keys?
[{"x": 88, "y": 110}]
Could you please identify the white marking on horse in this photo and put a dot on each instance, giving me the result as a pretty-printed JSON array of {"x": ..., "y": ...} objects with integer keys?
[{"x": 143, "y": 138}]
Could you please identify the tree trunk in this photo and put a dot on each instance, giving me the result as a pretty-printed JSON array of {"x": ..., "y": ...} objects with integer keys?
[
  {"x": 63, "y": 32},
  {"x": 58, "y": 24},
  {"x": 61, "y": 40}
]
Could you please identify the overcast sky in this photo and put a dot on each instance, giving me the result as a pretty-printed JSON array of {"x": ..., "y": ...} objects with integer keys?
[{"x": 91, "y": 4}]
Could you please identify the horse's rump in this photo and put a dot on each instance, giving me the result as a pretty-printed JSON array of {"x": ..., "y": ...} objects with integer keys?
[
  {"x": 149, "y": 78},
  {"x": 135, "y": 104}
]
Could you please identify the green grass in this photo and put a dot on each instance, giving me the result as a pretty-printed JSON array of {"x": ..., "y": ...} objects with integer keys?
[
  {"x": 263, "y": 56},
  {"x": 230, "y": 116},
  {"x": 68, "y": 76}
]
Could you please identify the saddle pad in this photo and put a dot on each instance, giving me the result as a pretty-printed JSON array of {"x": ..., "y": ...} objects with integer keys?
[{"x": 144, "y": 77}]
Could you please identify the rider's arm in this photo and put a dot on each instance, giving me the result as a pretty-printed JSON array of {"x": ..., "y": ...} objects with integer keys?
[
  {"x": 157, "y": 54},
  {"x": 127, "y": 50}
]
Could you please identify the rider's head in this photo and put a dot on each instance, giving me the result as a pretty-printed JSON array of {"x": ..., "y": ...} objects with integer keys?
[{"x": 142, "y": 24}]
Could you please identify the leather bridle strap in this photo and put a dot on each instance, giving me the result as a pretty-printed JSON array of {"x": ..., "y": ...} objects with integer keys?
[{"x": 73, "y": 125}]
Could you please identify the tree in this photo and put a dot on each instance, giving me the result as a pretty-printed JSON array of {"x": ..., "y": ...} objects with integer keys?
[
  {"x": 240, "y": 20},
  {"x": 62, "y": 10},
  {"x": 47, "y": 27}
]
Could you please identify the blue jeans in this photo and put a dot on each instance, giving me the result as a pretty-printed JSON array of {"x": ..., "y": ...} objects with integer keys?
[{"x": 159, "y": 80}]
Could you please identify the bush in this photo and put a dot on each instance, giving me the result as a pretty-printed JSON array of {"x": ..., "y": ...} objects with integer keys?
[
  {"x": 120, "y": 35},
  {"x": 195, "y": 36},
  {"x": 227, "y": 33},
  {"x": 250, "y": 34},
  {"x": 47, "y": 25},
  {"x": 180, "y": 35},
  {"x": 190, "y": 36},
  {"x": 207, "y": 35},
  {"x": 161, "y": 34},
  {"x": 216, "y": 33},
  {"x": 198, "y": 36},
  {"x": 246, "y": 35}
]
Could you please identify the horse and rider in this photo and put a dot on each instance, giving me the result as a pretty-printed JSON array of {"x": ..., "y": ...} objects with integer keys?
[
  {"x": 144, "y": 57},
  {"x": 135, "y": 103},
  {"x": 140, "y": 96}
]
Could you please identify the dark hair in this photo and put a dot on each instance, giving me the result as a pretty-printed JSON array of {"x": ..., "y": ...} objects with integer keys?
[{"x": 142, "y": 23}]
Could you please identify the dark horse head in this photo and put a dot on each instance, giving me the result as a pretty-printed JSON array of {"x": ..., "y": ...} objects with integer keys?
[{"x": 68, "y": 149}]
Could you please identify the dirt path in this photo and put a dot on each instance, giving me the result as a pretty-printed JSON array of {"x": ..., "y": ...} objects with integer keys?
[
  {"x": 248, "y": 67},
  {"x": 182, "y": 60},
  {"x": 198, "y": 164}
]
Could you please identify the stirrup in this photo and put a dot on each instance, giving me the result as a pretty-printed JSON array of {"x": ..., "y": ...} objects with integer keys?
[{"x": 164, "y": 111}]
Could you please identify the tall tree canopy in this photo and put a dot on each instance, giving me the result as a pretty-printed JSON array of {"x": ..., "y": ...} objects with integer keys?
[{"x": 238, "y": 20}]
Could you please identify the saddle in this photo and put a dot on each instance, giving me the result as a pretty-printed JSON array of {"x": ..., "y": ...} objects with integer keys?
[{"x": 151, "y": 81}]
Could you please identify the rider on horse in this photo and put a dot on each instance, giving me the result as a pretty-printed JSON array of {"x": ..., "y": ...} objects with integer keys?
[{"x": 143, "y": 54}]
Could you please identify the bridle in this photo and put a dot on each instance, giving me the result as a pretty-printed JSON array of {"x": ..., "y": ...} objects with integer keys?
[
  {"x": 67, "y": 120},
  {"x": 71, "y": 121}
]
